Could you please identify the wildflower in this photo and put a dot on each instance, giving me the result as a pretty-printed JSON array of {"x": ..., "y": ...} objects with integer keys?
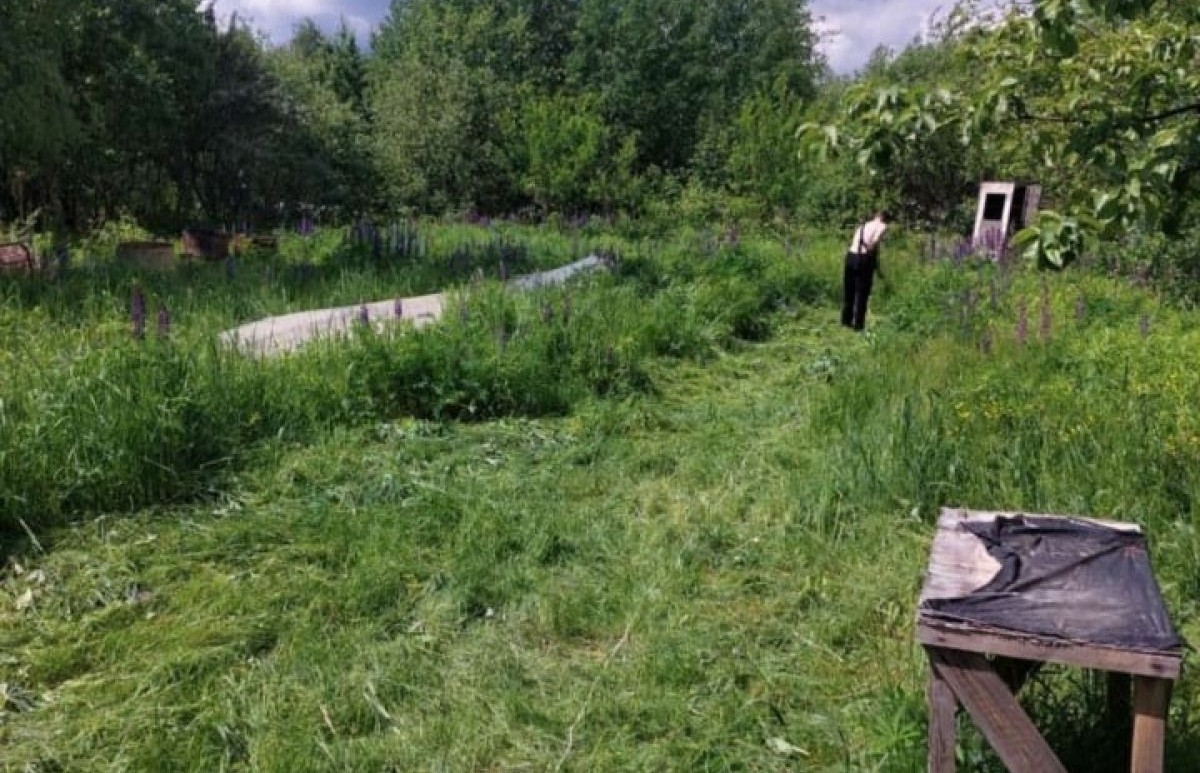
[
  {"x": 137, "y": 311},
  {"x": 305, "y": 226},
  {"x": 503, "y": 271},
  {"x": 961, "y": 250},
  {"x": 398, "y": 308},
  {"x": 364, "y": 315},
  {"x": 164, "y": 321}
]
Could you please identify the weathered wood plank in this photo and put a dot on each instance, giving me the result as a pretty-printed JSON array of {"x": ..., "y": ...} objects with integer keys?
[
  {"x": 995, "y": 711},
  {"x": 942, "y": 708},
  {"x": 1151, "y": 698},
  {"x": 1027, "y": 647}
]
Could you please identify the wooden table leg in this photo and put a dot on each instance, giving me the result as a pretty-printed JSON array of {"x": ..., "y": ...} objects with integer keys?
[
  {"x": 1151, "y": 697},
  {"x": 942, "y": 708},
  {"x": 995, "y": 711}
]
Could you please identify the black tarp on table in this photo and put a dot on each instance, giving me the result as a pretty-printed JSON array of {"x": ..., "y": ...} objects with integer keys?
[{"x": 1068, "y": 579}]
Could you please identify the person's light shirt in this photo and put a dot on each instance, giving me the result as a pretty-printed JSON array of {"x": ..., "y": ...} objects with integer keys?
[{"x": 871, "y": 234}]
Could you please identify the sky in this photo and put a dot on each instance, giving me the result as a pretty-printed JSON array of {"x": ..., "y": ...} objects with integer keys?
[{"x": 850, "y": 29}]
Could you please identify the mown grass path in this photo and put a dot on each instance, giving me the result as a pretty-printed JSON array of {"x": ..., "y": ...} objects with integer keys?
[{"x": 636, "y": 586}]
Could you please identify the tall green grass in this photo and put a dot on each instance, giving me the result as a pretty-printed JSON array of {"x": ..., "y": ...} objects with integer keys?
[{"x": 93, "y": 420}]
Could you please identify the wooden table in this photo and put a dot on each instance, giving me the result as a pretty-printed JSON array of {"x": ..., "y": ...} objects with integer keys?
[{"x": 982, "y": 668}]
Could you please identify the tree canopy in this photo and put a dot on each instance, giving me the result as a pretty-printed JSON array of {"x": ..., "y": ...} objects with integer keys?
[{"x": 158, "y": 111}]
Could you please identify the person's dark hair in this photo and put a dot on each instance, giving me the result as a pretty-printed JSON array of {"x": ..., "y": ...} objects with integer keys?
[{"x": 884, "y": 215}]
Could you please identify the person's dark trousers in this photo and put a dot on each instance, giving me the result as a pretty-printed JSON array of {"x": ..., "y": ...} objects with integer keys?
[{"x": 857, "y": 280}]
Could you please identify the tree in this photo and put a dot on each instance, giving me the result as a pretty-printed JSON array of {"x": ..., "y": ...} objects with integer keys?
[
  {"x": 325, "y": 159},
  {"x": 573, "y": 161},
  {"x": 36, "y": 121},
  {"x": 664, "y": 69},
  {"x": 445, "y": 94}
]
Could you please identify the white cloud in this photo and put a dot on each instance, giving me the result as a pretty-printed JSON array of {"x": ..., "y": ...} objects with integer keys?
[
  {"x": 278, "y": 18},
  {"x": 852, "y": 29}
]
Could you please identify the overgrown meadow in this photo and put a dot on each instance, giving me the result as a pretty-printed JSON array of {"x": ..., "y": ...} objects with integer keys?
[{"x": 670, "y": 517}]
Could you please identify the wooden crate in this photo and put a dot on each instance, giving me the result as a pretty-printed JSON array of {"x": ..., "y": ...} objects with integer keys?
[
  {"x": 152, "y": 256},
  {"x": 206, "y": 244},
  {"x": 16, "y": 256}
]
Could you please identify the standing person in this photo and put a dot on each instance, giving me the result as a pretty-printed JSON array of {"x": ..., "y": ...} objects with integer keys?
[{"x": 862, "y": 263}]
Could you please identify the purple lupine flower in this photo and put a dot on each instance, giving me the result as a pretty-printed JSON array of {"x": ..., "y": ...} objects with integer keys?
[
  {"x": 305, "y": 227},
  {"x": 398, "y": 308},
  {"x": 137, "y": 313},
  {"x": 1144, "y": 325},
  {"x": 961, "y": 250},
  {"x": 364, "y": 315},
  {"x": 1022, "y": 322},
  {"x": 164, "y": 321}
]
